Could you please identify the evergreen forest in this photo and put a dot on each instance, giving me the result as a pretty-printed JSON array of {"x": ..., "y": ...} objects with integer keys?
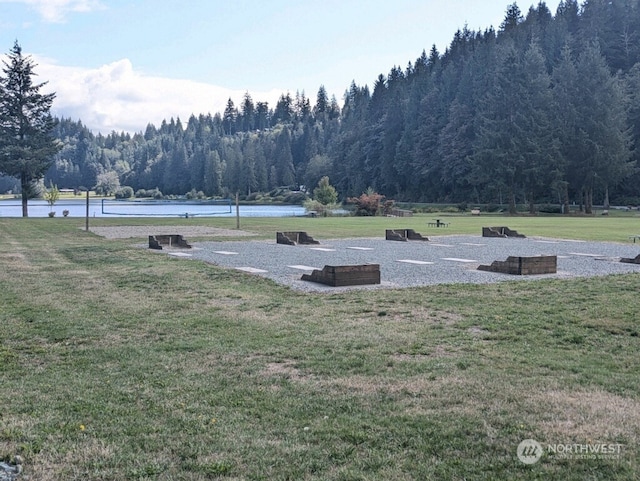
[{"x": 545, "y": 109}]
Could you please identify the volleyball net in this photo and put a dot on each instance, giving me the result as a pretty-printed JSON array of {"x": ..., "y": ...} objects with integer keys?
[{"x": 166, "y": 208}]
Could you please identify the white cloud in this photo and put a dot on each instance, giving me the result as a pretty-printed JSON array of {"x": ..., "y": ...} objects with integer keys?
[
  {"x": 115, "y": 97},
  {"x": 55, "y": 11}
]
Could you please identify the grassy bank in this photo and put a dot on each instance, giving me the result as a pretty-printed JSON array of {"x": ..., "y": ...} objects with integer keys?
[{"x": 119, "y": 363}]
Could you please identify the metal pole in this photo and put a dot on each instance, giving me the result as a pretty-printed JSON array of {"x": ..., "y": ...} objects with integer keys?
[
  {"x": 237, "y": 211},
  {"x": 86, "y": 222}
]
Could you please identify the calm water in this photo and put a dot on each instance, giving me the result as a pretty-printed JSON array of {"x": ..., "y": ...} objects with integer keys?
[{"x": 77, "y": 208}]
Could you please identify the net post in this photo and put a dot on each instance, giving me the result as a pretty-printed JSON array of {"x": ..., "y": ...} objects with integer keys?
[
  {"x": 237, "y": 211},
  {"x": 86, "y": 219}
]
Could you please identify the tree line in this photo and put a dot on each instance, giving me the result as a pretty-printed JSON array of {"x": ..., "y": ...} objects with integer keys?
[{"x": 544, "y": 109}]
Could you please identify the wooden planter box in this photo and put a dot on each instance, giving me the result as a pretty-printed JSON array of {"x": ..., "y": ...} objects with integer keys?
[
  {"x": 337, "y": 276},
  {"x": 524, "y": 266},
  {"x": 173, "y": 240},
  {"x": 499, "y": 232},
  {"x": 403, "y": 235},
  {"x": 631, "y": 260},
  {"x": 294, "y": 238}
]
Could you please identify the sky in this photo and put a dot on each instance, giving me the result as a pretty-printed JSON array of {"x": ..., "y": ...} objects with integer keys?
[{"x": 119, "y": 65}]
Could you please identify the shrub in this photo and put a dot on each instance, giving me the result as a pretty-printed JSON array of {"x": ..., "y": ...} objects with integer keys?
[
  {"x": 322, "y": 210},
  {"x": 325, "y": 193},
  {"x": 51, "y": 196},
  {"x": 125, "y": 192},
  {"x": 192, "y": 194},
  {"x": 450, "y": 210},
  {"x": 369, "y": 203},
  {"x": 388, "y": 206},
  {"x": 550, "y": 209}
]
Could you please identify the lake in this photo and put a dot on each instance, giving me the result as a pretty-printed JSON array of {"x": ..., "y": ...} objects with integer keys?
[{"x": 177, "y": 208}]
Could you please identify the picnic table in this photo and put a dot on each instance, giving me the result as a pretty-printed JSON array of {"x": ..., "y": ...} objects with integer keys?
[
  {"x": 438, "y": 223},
  {"x": 634, "y": 237}
]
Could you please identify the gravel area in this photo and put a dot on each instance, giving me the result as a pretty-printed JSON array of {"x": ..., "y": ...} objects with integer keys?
[
  {"x": 444, "y": 259},
  {"x": 130, "y": 231}
]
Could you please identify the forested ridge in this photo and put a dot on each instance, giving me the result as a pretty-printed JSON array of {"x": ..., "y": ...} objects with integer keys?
[{"x": 545, "y": 109}]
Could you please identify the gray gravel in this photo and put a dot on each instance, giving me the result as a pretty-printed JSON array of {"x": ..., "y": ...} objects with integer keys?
[
  {"x": 129, "y": 231},
  {"x": 448, "y": 259}
]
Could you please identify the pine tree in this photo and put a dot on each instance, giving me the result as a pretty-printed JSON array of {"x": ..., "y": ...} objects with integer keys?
[
  {"x": 322, "y": 104},
  {"x": 262, "y": 116},
  {"x": 283, "y": 159},
  {"x": 540, "y": 149},
  {"x": 248, "y": 113},
  {"x": 566, "y": 89},
  {"x": 603, "y": 119},
  {"x": 27, "y": 146},
  {"x": 284, "y": 109},
  {"x": 513, "y": 18},
  {"x": 498, "y": 160},
  {"x": 230, "y": 118}
]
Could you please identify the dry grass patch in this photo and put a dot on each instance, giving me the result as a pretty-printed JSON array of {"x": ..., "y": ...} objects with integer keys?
[
  {"x": 14, "y": 260},
  {"x": 53, "y": 465},
  {"x": 286, "y": 369},
  {"x": 588, "y": 415}
]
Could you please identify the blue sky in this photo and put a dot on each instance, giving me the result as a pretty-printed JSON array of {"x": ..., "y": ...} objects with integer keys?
[{"x": 121, "y": 64}]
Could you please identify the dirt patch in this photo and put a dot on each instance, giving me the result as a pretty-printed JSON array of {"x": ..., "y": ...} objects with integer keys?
[
  {"x": 286, "y": 369},
  {"x": 134, "y": 231}
]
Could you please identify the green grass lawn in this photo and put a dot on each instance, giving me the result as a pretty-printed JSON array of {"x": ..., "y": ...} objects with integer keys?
[
  {"x": 119, "y": 363},
  {"x": 616, "y": 227}
]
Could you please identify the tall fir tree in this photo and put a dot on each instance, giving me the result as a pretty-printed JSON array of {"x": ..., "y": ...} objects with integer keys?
[
  {"x": 27, "y": 146},
  {"x": 602, "y": 113}
]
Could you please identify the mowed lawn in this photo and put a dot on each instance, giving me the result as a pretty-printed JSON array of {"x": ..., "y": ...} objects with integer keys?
[{"x": 121, "y": 363}]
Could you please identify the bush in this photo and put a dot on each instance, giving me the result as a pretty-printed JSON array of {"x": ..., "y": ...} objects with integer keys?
[
  {"x": 192, "y": 194},
  {"x": 369, "y": 203},
  {"x": 325, "y": 193},
  {"x": 550, "y": 209},
  {"x": 320, "y": 209},
  {"x": 450, "y": 210},
  {"x": 153, "y": 193},
  {"x": 125, "y": 192}
]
